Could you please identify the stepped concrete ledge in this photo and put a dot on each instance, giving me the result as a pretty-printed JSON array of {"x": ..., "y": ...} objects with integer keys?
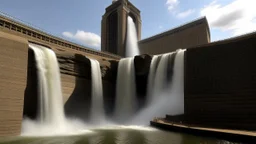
[{"x": 226, "y": 134}]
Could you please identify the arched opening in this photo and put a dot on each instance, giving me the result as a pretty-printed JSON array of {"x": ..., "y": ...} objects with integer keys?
[{"x": 134, "y": 18}]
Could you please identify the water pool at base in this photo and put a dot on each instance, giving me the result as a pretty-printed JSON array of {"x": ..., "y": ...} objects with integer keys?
[{"x": 119, "y": 135}]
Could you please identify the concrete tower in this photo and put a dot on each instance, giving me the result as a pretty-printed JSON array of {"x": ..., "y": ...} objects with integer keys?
[{"x": 114, "y": 26}]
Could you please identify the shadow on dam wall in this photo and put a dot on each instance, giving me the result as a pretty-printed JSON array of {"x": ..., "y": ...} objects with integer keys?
[
  {"x": 30, "y": 107},
  {"x": 142, "y": 68},
  {"x": 109, "y": 77},
  {"x": 79, "y": 103}
]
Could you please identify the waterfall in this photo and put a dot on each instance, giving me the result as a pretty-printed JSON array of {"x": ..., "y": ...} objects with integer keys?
[
  {"x": 176, "y": 88},
  {"x": 97, "y": 109},
  {"x": 49, "y": 86},
  {"x": 125, "y": 103},
  {"x": 132, "y": 39},
  {"x": 160, "y": 81},
  {"x": 151, "y": 78},
  {"x": 165, "y": 93},
  {"x": 52, "y": 120}
]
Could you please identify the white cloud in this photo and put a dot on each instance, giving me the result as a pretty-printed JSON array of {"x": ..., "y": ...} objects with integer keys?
[
  {"x": 185, "y": 13},
  {"x": 171, "y": 4},
  {"x": 67, "y": 34},
  {"x": 173, "y": 7},
  {"x": 239, "y": 16},
  {"x": 160, "y": 27},
  {"x": 86, "y": 38}
]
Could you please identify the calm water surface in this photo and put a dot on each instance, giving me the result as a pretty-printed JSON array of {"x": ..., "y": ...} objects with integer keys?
[{"x": 118, "y": 136}]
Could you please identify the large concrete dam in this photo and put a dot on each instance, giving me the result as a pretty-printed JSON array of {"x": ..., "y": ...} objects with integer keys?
[
  {"x": 18, "y": 71},
  {"x": 219, "y": 82}
]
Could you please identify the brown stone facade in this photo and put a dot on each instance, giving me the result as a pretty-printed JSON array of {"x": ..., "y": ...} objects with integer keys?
[
  {"x": 18, "y": 78},
  {"x": 220, "y": 84},
  {"x": 13, "y": 76},
  {"x": 186, "y": 36},
  {"x": 35, "y": 35}
]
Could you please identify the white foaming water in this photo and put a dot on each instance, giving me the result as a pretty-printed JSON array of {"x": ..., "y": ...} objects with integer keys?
[
  {"x": 52, "y": 120},
  {"x": 125, "y": 103},
  {"x": 118, "y": 127},
  {"x": 132, "y": 39},
  {"x": 168, "y": 99},
  {"x": 176, "y": 88},
  {"x": 151, "y": 77},
  {"x": 97, "y": 115},
  {"x": 38, "y": 129},
  {"x": 159, "y": 81},
  {"x": 51, "y": 100}
]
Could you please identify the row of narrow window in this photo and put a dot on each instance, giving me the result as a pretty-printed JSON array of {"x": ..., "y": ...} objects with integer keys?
[{"x": 44, "y": 38}]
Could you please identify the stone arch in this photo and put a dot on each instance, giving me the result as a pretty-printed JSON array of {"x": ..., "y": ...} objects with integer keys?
[{"x": 133, "y": 17}]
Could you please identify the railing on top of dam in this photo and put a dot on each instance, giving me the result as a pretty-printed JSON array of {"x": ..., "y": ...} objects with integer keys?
[{"x": 25, "y": 28}]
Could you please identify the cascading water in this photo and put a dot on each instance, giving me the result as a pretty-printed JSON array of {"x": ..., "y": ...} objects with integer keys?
[
  {"x": 97, "y": 109},
  {"x": 176, "y": 88},
  {"x": 159, "y": 81},
  {"x": 132, "y": 39},
  {"x": 52, "y": 120},
  {"x": 125, "y": 103},
  {"x": 164, "y": 94},
  {"x": 151, "y": 78},
  {"x": 164, "y": 97},
  {"x": 51, "y": 100},
  {"x": 165, "y": 83}
]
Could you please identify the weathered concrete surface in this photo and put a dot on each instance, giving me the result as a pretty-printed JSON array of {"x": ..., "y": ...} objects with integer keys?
[
  {"x": 236, "y": 136},
  {"x": 18, "y": 79},
  {"x": 142, "y": 67},
  {"x": 13, "y": 75},
  {"x": 220, "y": 84},
  {"x": 186, "y": 36}
]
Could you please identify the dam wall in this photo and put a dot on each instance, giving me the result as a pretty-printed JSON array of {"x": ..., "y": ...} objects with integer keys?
[
  {"x": 220, "y": 84},
  {"x": 18, "y": 77},
  {"x": 13, "y": 72},
  {"x": 186, "y": 36}
]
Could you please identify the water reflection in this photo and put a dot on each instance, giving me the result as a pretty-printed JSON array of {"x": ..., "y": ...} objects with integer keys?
[{"x": 120, "y": 136}]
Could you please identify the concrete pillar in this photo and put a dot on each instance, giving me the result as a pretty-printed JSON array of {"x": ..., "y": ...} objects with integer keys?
[{"x": 13, "y": 79}]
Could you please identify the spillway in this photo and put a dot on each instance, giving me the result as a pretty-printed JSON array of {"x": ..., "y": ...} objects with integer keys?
[
  {"x": 132, "y": 48},
  {"x": 126, "y": 102},
  {"x": 97, "y": 114},
  {"x": 166, "y": 80},
  {"x": 165, "y": 89},
  {"x": 176, "y": 87},
  {"x": 51, "y": 119},
  {"x": 49, "y": 86}
]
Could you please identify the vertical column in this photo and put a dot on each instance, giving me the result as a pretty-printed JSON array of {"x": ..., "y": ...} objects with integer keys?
[
  {"x": 122, "y": 26},
  {"x": 138, "y": 28},
  {"x": 103, "y": 33}
]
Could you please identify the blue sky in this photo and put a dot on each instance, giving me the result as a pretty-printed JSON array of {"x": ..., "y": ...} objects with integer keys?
[{"x": 80, "y": 20}]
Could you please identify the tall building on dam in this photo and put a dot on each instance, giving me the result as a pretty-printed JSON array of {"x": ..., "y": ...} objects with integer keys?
[
  {"x": 219, "y": 77},
  {"x": 114, "y": 30}
]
